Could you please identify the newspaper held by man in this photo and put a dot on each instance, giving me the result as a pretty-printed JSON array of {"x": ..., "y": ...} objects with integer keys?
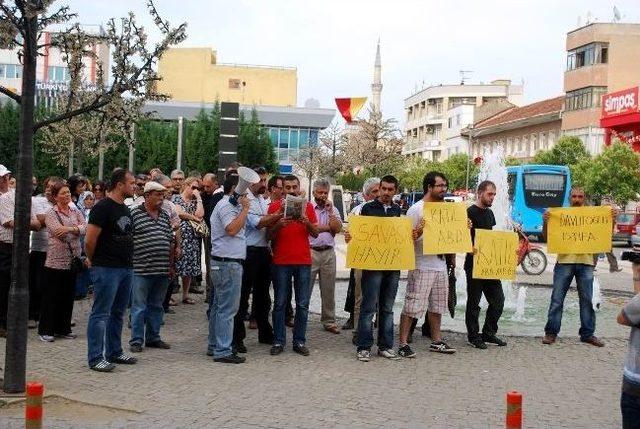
[{"x": 293, "y": 207}]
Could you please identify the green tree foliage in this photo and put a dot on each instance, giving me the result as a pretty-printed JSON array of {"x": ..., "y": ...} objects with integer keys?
[
  {"x": 455, "y": 168},
  {"x": 201, "y": 143},
  {"x": 568, "y": 150},
  {"x": 614, "y": 173},
  {"x": 254, "y": 145},
  {"x": 351, "y": 181}
]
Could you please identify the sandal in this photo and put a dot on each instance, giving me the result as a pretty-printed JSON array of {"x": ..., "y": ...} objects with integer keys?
[
  {"x": 188, "y": 301},
  {"x": 172, "y": 302}
]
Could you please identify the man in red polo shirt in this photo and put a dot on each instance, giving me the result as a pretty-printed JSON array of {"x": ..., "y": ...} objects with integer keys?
[{"x": 291, "y": 259}]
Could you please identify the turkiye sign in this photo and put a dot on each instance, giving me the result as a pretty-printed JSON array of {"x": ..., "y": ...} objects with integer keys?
[{"x": 620, "y": 103}]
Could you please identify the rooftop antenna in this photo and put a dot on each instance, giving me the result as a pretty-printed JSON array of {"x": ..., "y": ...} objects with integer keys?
[
  {"x": 617, "y": 16},
  {"x": 589, "y": 16},
  {"x": 464, "y": 76}
]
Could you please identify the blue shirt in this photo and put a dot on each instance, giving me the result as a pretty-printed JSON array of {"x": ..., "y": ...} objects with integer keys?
[
  {"x": 224, "y": 245},
  {"x": 257, "y": 210}
]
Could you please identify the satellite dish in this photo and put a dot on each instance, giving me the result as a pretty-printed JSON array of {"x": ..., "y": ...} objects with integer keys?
[{"x": 616, "y": 14}]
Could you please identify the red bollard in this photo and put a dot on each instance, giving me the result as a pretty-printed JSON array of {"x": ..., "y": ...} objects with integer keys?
[
  {"x": 514, "y": 410},
  {"x": 33, "y": 405}
]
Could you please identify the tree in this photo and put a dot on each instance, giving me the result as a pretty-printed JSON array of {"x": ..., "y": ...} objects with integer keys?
[
  {"x": 133, "y": 58},
  {"x": 569, "y": 150},
  {"x": 614, "y": 173},
  {"x": 254, "y": 145},
  {"x": 371, "y": 144},
  {"x": 333, "y": 139},
  {"x": 351, "y": 181},
  {"x": 412, "y": 171},
  {"x": 455, "y": 168},
  {"x": 201, "y": 147}
]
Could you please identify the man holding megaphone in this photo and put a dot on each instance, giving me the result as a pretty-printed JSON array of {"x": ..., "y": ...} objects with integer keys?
[{"x": 228, "y": 252}]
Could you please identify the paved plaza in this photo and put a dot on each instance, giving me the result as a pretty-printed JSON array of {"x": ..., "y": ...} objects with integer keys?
[{"x": 568, "y": 385}]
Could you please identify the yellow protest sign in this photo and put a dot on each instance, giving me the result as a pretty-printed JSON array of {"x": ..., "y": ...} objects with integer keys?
[
  {"x": 579, "y": 230},
  {"x": 446, "y": 229},
  {"x": 380, "y": 243},
  {"x": 495, "y": 256}
]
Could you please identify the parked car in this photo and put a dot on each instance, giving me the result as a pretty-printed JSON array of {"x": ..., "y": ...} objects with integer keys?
[{"x": 625, "y": 228}]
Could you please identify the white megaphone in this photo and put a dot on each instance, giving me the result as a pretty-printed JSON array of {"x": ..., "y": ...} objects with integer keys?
[{"x": 246, "y": 177}]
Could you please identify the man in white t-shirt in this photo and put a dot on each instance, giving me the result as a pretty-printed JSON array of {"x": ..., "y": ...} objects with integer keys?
[{"x": 427, "y": 285}]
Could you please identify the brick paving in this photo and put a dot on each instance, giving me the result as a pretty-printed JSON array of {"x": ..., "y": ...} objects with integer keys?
[{"x": 567, "y": 385}]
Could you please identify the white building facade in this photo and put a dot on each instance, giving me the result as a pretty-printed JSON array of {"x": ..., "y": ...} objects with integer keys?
[{"x": 435, "y": 116}]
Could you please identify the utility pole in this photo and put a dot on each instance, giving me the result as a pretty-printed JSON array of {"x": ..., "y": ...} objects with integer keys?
[
  {"x": 179, "y": 160},
  {"x": 132, "y": 148}
]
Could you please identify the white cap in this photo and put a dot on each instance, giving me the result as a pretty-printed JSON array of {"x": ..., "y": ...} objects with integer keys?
[
  {"x": 153, "y": 186},
  {"x": 3, "y": 170}
]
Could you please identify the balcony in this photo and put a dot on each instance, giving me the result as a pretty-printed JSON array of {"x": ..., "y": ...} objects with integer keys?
[
  {"x": 432, "y": 118},
  {"x": 422, "y": 146}
]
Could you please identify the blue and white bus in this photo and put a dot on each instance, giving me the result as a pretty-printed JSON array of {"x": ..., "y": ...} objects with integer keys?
[{"x": 535, "y": 188}]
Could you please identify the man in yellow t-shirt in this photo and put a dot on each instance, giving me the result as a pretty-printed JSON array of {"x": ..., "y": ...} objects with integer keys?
[{"x": 568, "y": 267}]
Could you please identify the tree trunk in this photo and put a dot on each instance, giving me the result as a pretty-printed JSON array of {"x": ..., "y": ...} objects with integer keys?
[
  {"x": 79, "y": 157},
  {"x": 16, "y": 351}
]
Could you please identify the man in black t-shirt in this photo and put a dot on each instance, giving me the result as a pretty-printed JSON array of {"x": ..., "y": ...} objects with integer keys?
[
  {"x": 109, "y": 249},
  {"x": 482, "y": 217}
]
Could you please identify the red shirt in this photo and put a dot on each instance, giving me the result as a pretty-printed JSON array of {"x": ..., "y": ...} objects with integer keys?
[{"x": 291, "y": 243}]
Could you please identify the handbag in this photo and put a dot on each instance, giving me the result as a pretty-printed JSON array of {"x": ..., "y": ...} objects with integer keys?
[
  {"x": 200, "y": 227},
  {"x": 76, "y": 265}
]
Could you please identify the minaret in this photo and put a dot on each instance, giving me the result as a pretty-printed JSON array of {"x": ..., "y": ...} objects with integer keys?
[{"x": 376, "y": 87}]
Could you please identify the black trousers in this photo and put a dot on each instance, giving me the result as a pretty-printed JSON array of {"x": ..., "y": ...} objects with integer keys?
[
  {"x": 58, "y": 294},
  {"x": 6, "y": 250},
  {"x": 492, "y": 290},
  {"x": 350, "y": 301},
  {"x": 36, "y": 278},
  {"x": 256, "y": 278}
]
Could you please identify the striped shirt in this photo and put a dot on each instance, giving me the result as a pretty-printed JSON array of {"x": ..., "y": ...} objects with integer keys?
[{"x": 151, "y": 242}]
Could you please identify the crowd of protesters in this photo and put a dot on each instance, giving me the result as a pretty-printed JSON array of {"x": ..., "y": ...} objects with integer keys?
[{"x": 134, "y": 241}]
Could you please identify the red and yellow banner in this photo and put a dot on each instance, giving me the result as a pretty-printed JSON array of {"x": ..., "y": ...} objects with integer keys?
[{"x": 349, "y": 107}]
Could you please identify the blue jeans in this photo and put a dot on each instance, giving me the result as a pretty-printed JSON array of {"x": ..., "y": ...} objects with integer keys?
[
  {"x": 379, "y": 290},
  {"x": 630, "y": 407},
  {"x": 562, "y": 276},
  {"x": 147, "y": 296},
  {"x": 111, "y": 291},
  {"x": 282, "y": 275},
  {"x": 226, "y": 283}
]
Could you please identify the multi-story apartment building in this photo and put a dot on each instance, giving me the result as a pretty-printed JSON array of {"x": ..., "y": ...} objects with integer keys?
[
  {"x": 52, "y": 73},
  {"x": 427, "y": 122},
  {"x": 601, "y": 58}
]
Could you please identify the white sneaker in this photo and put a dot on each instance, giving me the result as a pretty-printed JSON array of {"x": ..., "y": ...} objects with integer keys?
[
  {"x": 364, "y": 355},
  {"x": 389, "y": 354},
  {"x": 46, "y": 338}
]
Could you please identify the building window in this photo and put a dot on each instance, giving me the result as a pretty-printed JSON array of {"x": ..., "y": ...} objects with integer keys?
[
  {"x": 584, "y": 98},
  {"x": 293, "y": 139},
  {"x": 58, "y": 74},
  {"x": 235, "y": 83},
  {"x": 11, "y": 71},
  {"x": 587, "y": 55},
  {"x": 283, "y": 141},
  {"x": 273, "y": 136},
  {"x": 304, "y": 138}
]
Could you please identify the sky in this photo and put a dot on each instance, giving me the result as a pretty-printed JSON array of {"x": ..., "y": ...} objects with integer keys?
[{"x": 423, "y": 42}]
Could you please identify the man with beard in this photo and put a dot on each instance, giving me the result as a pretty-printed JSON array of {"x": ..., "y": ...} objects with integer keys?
[
  {"x": 109, "y": 248},
  {"x": 292, "y": 259},
  {"x": 482, "y": 217},
  {"x": 427, "y": 285},
  {"x": 323, "y": 254},
  {"x": 257, "y": 275}
]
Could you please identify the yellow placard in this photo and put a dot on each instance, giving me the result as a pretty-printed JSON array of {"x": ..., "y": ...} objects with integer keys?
[
  {"x": 380, "y": 243},
  {"x": 579, "y": 230},
  {"x": 446, "y": 229},
  {"x": 495, "y": 256}
]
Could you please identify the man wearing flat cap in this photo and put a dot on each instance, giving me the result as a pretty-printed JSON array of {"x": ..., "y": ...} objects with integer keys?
[{"x": 152, "y": 247}]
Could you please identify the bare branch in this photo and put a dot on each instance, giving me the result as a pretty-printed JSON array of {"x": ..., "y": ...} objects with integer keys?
[
  {"x": 15, "y": 97},
  {"x": 96, "y": 104}
]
